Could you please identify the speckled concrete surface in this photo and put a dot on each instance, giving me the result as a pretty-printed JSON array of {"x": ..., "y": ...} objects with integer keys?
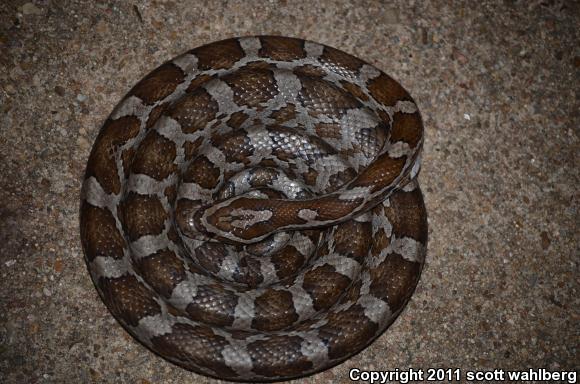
[{"x": 497, "y": 84}]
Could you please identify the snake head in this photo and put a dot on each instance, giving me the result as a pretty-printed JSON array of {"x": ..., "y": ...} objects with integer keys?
[{"x": 240, "y": 219}]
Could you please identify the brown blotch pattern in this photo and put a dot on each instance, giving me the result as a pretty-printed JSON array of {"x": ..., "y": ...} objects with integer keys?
[
  {"x": 142, "y": 215},
  {"x": 407, "y": 127},
  {"x": 162, "y": 270},
  {"x": 202, "y": 172},
  {"x": 405, "y": 214},
  {"x": 236, "y": 147},
  {"x": 155, "y": 114},
  {"x": 101, "y": 164},
  {"x": 213, "y": 304},
  {"x": 262, "y": 177},
  {"x": 237, "y": 119},
  {"x": 355, "y": 90},
  {"x": 309, "y": 70},
  {"x": 210, "y": 256},
  {"x": 287, "y": 262},
  {"x": 394, "y": 280},
  {"x": 341, "y": 62},
  {"x": 198, "y": 81},
  {"x": 99, "y": 233},
  {"x": 190, "y": 148},
  {"x": 322, "y": 98},
  {"x": 249, "y": 272},
  {"x": 282, "y": 48},
  {"x": 158, "y": 84},
  {"x": 155, "y": 157},
  {"x": 170, "y": 193},
  {"x": 347, "y": 331},
  {"x": 329, "y": 130},
  {"x": 194, "y": 344},
  {"x": 252, "y": 87},
  {"x": 310, "y": 177},
  {"x": 274, "y": 310},
  {"x": 221, "y": 55},
  {"x": 194, "y": 110},
  {"x": 128, "y": 299},
  {"x": 284, "y": 114},
  {"x": 278, "y": 356},
  {"x": 325, "y": 286},
  {"x": 380, "y": 242},
  {"x": 353, "y": 239},
  {"x": 386, "y": 90}
]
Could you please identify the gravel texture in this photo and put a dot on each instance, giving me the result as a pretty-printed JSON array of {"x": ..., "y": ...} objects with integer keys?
[{"x": 497, "y": 84}]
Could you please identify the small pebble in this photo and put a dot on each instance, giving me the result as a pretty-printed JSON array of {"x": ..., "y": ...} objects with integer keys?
[
  {"x": 59, "y": 90},
  {"x": 81, "y": 97},
  {"x": 83, "y": 143},
  {"x": 10, "y": 89},
  {"x": 58, "y": 265},
  {"x": 31, "y": 9},
  {"x": 545, "y": 240},
  {"x": 391, "y": 16}
]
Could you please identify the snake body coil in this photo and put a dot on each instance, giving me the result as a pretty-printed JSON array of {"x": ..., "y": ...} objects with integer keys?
[{"x": 250, "y": 210}]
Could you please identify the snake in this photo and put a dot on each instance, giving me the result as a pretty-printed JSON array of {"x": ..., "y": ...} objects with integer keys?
[{"x": 251, "y": 211}]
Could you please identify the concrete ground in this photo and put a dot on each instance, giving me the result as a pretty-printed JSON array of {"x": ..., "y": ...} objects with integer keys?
[{"x": 497, "y": 84}]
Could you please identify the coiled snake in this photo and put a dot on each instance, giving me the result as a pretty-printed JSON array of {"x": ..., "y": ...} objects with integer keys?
[{"x": 250, "y": 209}]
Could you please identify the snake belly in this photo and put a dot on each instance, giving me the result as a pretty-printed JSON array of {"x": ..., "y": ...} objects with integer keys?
[{"x": 250, "y": 210}]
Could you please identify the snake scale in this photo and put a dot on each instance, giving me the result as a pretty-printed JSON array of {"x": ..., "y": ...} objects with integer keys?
[{"x": 250, "y": 210}]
